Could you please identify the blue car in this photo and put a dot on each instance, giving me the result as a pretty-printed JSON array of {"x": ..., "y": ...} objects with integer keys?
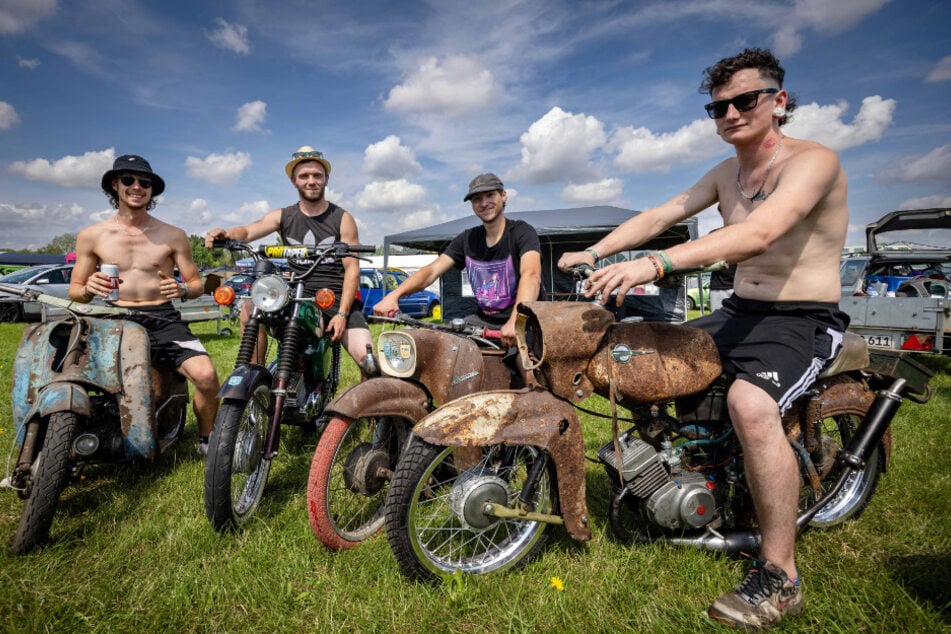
[{"x": 422, "y": 304}]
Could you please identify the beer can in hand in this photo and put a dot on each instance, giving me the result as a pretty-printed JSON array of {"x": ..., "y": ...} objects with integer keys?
[{"x": 112, "y": 270}]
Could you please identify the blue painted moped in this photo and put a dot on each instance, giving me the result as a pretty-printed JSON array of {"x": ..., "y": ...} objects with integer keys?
[{"x": 84, "y": 392}]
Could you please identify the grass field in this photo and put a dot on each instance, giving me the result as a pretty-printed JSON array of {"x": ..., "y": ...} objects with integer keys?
[{"x": 132, "y": 551}]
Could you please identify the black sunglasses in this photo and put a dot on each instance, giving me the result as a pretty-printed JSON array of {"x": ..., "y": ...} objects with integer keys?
[
  {"x": 742, "y": 102},
  {"x": 128, "y": 179}
]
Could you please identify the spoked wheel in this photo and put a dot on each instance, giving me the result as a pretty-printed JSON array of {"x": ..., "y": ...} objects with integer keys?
[
  {"x": 855, "y": 495},
  {"x": 10, "y": 311},
  {"x": 350, "y": 475},
  {"x": 50, "y": 473},
  {"x": 235, "y": 468},
  {"x": 435, "y": 510}
]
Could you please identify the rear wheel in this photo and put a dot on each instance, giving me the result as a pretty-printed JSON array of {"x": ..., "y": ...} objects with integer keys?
[
  {"x": 350, "y": 475},
  {"x": 435, "y": 519},
  {"x": 236, "y": 469},
  {"x": 851, "y": 501},
  {"x": 50, "y": 473}
]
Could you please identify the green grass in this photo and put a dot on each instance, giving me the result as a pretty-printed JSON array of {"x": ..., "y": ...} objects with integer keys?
[{"x": 132, "y": 551}]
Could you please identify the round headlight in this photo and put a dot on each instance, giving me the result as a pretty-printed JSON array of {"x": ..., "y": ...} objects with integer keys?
[
  {"x": 269, "y": 293},
  {"x": 397, "y": 353}
]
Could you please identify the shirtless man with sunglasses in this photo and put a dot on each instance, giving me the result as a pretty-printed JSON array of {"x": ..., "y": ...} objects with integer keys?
[
  {"x": 785, "y": 216},
  {"x": 147, "y": 251}
]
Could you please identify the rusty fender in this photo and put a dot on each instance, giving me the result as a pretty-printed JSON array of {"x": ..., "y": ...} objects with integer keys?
[
  {"x": 382, "y": 396},
  {"x": 524, "y": 417},
  {"x": 60, "y": 397}
]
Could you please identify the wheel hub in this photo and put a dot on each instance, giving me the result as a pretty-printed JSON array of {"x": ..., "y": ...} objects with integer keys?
[
  {"x": 471, "y": 492},
  {"x": 247, "y": 451},
  {"x": 364, "y": 468}
]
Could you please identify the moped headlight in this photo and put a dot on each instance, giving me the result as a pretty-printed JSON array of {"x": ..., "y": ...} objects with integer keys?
[
  {"x": 269, "y": 293},
  {"x": 397, "y": 353}
]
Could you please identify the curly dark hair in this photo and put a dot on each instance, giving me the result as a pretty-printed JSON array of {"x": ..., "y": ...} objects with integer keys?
[
  {"x": 760, "y": 59},
  {"x": 113, "y": 197}
]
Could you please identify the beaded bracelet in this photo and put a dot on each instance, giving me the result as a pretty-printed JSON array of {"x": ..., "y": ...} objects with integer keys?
[
  {"x": 658, "y": 265},
  {"x": 185, "y": 294},
  {"x": 594, "y": 254}
]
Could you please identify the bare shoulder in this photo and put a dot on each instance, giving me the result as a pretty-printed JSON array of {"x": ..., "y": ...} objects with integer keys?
[
  {"x": 92, "y": 232},
  {"x": 810, "y": 152}
]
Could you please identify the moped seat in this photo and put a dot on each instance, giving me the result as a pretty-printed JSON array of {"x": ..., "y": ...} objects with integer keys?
[{"x": 852, "y": 356}]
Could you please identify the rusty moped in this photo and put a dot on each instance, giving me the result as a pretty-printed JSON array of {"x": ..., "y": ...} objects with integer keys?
[
  {"x": 421, "y": 367},
  {"x": 84, "y": 392},
  {"x": 677, "y": 473}
]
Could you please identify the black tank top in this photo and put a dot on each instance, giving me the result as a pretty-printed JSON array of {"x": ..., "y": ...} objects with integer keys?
[{"x": 322, "y": 230}]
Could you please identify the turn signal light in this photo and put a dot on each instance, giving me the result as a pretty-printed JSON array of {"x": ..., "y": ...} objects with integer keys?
[
  {"x": 224, "y": 295},
  {"x": 325, "y": 298}
]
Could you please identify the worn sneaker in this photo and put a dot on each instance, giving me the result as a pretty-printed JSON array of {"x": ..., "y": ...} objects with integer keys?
[
  {"x": 762, "y": 600},
  {"x": 203, "y": 448}
]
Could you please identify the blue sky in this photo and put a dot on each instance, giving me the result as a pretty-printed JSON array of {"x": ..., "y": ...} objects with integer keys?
[{"x": 571, "y": 103}]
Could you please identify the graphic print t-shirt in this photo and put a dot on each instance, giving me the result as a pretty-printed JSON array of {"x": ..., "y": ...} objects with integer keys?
[
  {"x": 322, "y": 230},
  {"x": 494, "y": 271}
]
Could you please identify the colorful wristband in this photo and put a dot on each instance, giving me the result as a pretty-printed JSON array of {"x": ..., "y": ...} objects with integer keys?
[
  {"x": 590, "y": 251},
  {"x": 668, "y": 265},
  {"x": 657, "y": 264}
]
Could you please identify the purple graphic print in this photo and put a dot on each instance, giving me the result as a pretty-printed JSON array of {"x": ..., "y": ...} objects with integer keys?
[{"x": 493, "y": 283}]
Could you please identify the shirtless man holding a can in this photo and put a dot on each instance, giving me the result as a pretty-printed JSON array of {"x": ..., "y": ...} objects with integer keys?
[{"x": 145, "y": 252}]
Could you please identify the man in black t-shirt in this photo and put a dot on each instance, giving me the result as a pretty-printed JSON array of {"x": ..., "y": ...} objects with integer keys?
[
  {"x": 502, "y": 259},
  {"x": 313, "y": 221}
]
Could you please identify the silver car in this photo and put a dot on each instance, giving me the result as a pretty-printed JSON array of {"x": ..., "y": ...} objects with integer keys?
[{"x": 52, "y": 279}]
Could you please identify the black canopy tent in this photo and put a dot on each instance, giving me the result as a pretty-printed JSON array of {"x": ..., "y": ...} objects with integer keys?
[{"x": 559, "y": 230}]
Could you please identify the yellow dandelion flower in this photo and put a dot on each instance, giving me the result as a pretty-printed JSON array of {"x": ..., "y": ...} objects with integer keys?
[{"x": 557, "y": 584}]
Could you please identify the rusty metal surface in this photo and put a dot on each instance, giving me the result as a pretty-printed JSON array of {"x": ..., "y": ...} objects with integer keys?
[
  {"x": 653, "y": 362},
  {"x": 526, "y": 417},
  {"x": 382, "y": 396},
  {"x": 570, "y": 333}
]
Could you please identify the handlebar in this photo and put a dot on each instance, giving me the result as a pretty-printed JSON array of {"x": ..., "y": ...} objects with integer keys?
[
  {"x": 457, "y": 327},
  {"x": 90, "y": 310},
  {"x": 297, "y": 251}
]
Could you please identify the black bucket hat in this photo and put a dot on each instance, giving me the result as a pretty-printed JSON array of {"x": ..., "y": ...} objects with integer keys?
[{"x": 132, "y": 163}]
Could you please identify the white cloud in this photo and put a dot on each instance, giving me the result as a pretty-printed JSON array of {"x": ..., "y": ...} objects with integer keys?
[
  {"x": 389, "y": 160},
  {"x": 941, "y": 71},
  {"x": 17, "y": 16},
  {"x": 933, "y": 167},
  {"x": 220, "y": 169},
  {"x": 824, "y": 123},
  {"x": 455, "y": 87},
  {"x": 231, "y": 37},
  {"x": 8, "y": 116},
  {"x": 69, "y": 171},
  {"x": 29, "y": 64},
  {"x": 390, "y": 195},
  {"x": 558, "y": 147},
  {"x": 82, "y": 55},
  {"x": 606, "y": 190},
  {"x": 640, "y": 150},
  {"x": 926, "y": 202},
  {"x": 821, "y": 16},
  {"x": 250, "y": 117}
]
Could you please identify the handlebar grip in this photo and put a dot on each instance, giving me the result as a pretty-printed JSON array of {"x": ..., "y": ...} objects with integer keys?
[
  {"x": 362, "y": 248},
  {"x": 490, "y": 333}
]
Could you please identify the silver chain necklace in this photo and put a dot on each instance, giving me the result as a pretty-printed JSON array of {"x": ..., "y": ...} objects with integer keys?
[{"x": 760, "y": 194}]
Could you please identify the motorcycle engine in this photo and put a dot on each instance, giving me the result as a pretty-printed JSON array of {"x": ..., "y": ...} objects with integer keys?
[{"x": 667, "y": 495}]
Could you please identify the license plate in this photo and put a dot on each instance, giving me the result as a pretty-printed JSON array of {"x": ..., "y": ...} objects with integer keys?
[{"x": 878, "y": 341}]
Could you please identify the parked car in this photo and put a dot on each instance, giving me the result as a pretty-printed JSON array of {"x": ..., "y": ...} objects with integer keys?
[
  {"x": 241, "y": 283},
  {"x": 372, "y": 284},
  {"x": 52, "y": 279},
  {"x": 899, "y": 295},
  {"x": 693, "y": 293}
]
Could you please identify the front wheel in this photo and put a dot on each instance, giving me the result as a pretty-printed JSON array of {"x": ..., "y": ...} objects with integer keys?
[
  {"x": 852, "y": 499},
  {"x": 435, "y": 519},
  {"x": 50, "y": 473},
  {"x": 10, "y": 311},
  {"x": 236, "y": 469},
  {"x": 350, "y": 475}
]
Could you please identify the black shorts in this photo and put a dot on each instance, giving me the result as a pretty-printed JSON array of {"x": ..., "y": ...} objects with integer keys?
[
  {"x": 354, "y": 320},
  {"x": 780, "y": 347},
  {"x": 170, "y": 340}
]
